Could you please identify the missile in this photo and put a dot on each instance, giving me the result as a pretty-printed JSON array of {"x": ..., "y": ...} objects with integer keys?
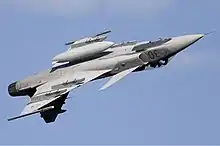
[
  {"x": 96, "y": 38},
  {"x": 68, "y": 83},
  {"x": 105, "y": 32},
  {"x": 35, "y": 112}
]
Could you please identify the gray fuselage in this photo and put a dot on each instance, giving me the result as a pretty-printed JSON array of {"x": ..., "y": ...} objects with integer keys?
[{"x": 119, "y": 58}]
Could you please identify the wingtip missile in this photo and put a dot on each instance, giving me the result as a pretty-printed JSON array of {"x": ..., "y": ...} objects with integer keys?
[
  {"x": 32, "y": 113},
  {"x": 91, "y": 37},
  {"x": 102, "y": 33},
  {"x": 70, "y": 43}
]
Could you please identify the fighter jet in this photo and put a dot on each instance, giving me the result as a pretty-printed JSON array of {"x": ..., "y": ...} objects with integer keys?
[{"x": 48, "y": 90}]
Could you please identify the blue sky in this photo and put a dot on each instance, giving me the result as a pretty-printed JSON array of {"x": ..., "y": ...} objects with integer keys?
[{"x": 178, "y": 104}]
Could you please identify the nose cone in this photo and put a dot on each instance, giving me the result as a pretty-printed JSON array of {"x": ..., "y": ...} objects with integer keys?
[
  {"x": 182, "y": 42},
  {"x": 190, "y": 39},
  {"x": 12, "y": 89}
]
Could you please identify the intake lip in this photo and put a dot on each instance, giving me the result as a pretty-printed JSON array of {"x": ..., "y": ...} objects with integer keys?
[{"x": 12, "y": 89}]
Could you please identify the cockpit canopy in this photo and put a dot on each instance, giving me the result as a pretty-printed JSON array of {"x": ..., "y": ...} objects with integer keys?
[
  {"x": 150, "y": 44},
  {"x": 160, "y": 41}
]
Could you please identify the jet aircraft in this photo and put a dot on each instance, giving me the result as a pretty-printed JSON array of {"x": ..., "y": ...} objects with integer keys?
[{"x": 90, "y": 59}]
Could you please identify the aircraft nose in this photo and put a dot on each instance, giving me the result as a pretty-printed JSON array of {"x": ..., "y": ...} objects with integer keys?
[
  {"x": 12, "y": 89},
  {"x": 182, "y": 42},
  {"x": 194, "y": 38}
]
